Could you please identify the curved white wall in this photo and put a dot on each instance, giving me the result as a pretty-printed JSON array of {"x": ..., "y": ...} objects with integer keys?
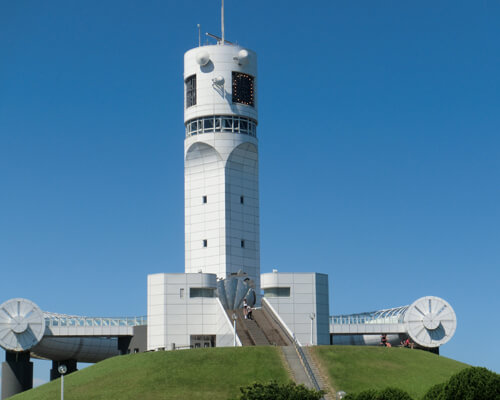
[{"x": 211, "y": 100}]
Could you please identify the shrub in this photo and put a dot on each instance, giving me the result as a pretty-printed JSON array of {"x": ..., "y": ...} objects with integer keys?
[
  {"x": 385, "y": 394},
  {"x": 435, "y": 392},
  {"x": 274, "y": 391},
  {"x": 475, "y": 383},
  {"x": 393, "y": 394},
  {"x": 369, "y": 394}
]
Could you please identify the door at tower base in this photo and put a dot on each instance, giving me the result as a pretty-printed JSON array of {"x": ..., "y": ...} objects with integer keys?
[
  {"x": 182, "y": 307},
  {"x": 301, "y": 301}
]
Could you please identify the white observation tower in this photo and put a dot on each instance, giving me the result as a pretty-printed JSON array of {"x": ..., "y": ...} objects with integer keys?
[{"x": 221, "y": 161}]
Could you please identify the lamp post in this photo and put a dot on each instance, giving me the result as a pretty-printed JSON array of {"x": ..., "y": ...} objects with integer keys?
[
  {"x": 312, "y": 316},
  {"x": 62, "y": 370},
  {"x": 235, "y": 317}
]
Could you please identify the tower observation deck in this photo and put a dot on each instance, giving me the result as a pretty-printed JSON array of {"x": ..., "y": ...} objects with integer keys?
[{"x": 221, "y": 161}]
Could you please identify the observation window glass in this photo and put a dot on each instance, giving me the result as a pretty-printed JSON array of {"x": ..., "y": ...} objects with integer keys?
[
  {"x": 190, "y": 91},
  {"x": 208, "y": 124},
  {"x": 227, "y": 124},
  {"x": 243, "y": 126},
  {"x": 243, "y": 89}
]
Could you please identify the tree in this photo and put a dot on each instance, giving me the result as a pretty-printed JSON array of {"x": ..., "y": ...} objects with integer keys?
[{"x": 275, "y": 391}]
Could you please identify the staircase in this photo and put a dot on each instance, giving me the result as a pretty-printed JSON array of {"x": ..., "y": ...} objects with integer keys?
[
  {"x": 264, "y": 330},
  {"x": 261, "y": 331}
]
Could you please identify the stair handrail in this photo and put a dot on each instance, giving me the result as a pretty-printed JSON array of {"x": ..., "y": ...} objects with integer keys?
[
  {"x": 305, "y": 364},
  {"x": 295, "y": 341},
  {"x": 276, "y": 317}
]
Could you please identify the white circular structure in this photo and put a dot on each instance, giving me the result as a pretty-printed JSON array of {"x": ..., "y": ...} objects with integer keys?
[
  {"x": 430, "y": 321},
  {"x": 202, "y": 58},
  {"x": 22, "y": 324}
]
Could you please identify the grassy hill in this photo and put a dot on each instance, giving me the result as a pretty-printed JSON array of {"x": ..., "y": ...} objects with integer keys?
[
  {"x": 215, "y": 373},
  {"x": 356, "y": 368},
  {"x": 218, "y": 373}
]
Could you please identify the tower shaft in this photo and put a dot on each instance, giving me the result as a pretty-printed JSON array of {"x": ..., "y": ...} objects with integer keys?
[{"x": 221, "y": 162}]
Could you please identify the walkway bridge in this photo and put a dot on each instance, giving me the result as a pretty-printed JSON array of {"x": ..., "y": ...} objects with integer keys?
[{"x": 429, "y": 322}]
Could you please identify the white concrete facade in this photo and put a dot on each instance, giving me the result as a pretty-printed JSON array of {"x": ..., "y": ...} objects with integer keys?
[
  {"x": 176, "y": 312},
  {"x": 221, "y": 166},
  {"x": 295, "y": 296}
]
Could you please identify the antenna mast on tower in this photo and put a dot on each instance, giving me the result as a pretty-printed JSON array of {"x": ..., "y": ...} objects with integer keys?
[{"x": 222, "y": 21}]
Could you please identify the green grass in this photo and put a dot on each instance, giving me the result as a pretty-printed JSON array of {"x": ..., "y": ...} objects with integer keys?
[
  {"x": 218, "y": 373},
  {"x": 215, "y": 373},
  {"x": 356, "y": 368}
]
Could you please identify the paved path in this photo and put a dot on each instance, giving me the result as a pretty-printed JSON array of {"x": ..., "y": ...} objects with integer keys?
[{"x": 298, "y": 371}]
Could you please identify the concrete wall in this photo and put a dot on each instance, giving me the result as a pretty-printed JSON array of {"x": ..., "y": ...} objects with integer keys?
[
  {"x": 173, "y": 316},
  {"x": 308, "y": 294}
]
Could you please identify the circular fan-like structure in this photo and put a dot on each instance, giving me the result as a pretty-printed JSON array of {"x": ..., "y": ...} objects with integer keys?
[
  {"x": 22, "y": 325},
  {"x": 233, "y": 290},
  {"x": 430, "y": 321}
]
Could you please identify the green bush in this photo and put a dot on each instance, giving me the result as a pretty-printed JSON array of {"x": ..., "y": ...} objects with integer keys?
[
  {"x": 385, "y": 394},
  {"x": 393, "y": 394},
  {"x": 369, "y": 394},
  {"x": 435, "y": 392},
  {"x": 275, "y": 391},
  {"x": 475, "y": 383}
]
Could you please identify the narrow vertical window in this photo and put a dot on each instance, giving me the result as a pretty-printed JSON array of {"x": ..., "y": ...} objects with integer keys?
[
  {"x": 204, "y": 199},
  {"x": 190, "y": 91},
  {"x": 205, "y": 243},
  {"x": 242, "y": 200},
  {"x": 181, "y": 293},
  {"x": 242, "y": 243}
]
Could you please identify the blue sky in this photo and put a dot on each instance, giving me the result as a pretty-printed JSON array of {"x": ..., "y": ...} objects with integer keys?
[{"x": 379, "y": 151}]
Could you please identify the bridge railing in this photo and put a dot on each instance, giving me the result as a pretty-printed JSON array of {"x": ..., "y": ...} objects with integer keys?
[{"x": 74, "y": 321}]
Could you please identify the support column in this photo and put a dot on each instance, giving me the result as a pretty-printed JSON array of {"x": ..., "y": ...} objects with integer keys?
[
  {"x": 70, "y": 364},
  {"x": 17, "y": 373}
]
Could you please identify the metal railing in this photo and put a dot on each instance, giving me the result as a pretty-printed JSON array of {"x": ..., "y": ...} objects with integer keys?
[
  {"x": 305, "y": 364},
  {"x": 54, "y": 320},
  {"x": 295, "y": 342},
  {"x": 388, "y": 316}
]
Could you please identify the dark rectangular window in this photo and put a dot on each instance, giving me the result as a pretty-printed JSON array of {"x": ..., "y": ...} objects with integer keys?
[
  {"x": 277, "y": 292},
  {"x": 190, "y": 91},
  {"x": 243, "y": 89},
  {"x": 205, "y": 243},
  {"x": 242, "y": 243},
  {"x": 205, "y": 199},
  {"x": 242, "y": 200},
  {"x": 201, "y": 292}
]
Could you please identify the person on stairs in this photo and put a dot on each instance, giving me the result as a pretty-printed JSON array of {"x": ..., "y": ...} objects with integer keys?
[{"x": 245, "y": 308}]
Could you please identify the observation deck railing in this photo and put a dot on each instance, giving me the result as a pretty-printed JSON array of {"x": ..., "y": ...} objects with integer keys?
[{"x": 68, "y": 325}]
